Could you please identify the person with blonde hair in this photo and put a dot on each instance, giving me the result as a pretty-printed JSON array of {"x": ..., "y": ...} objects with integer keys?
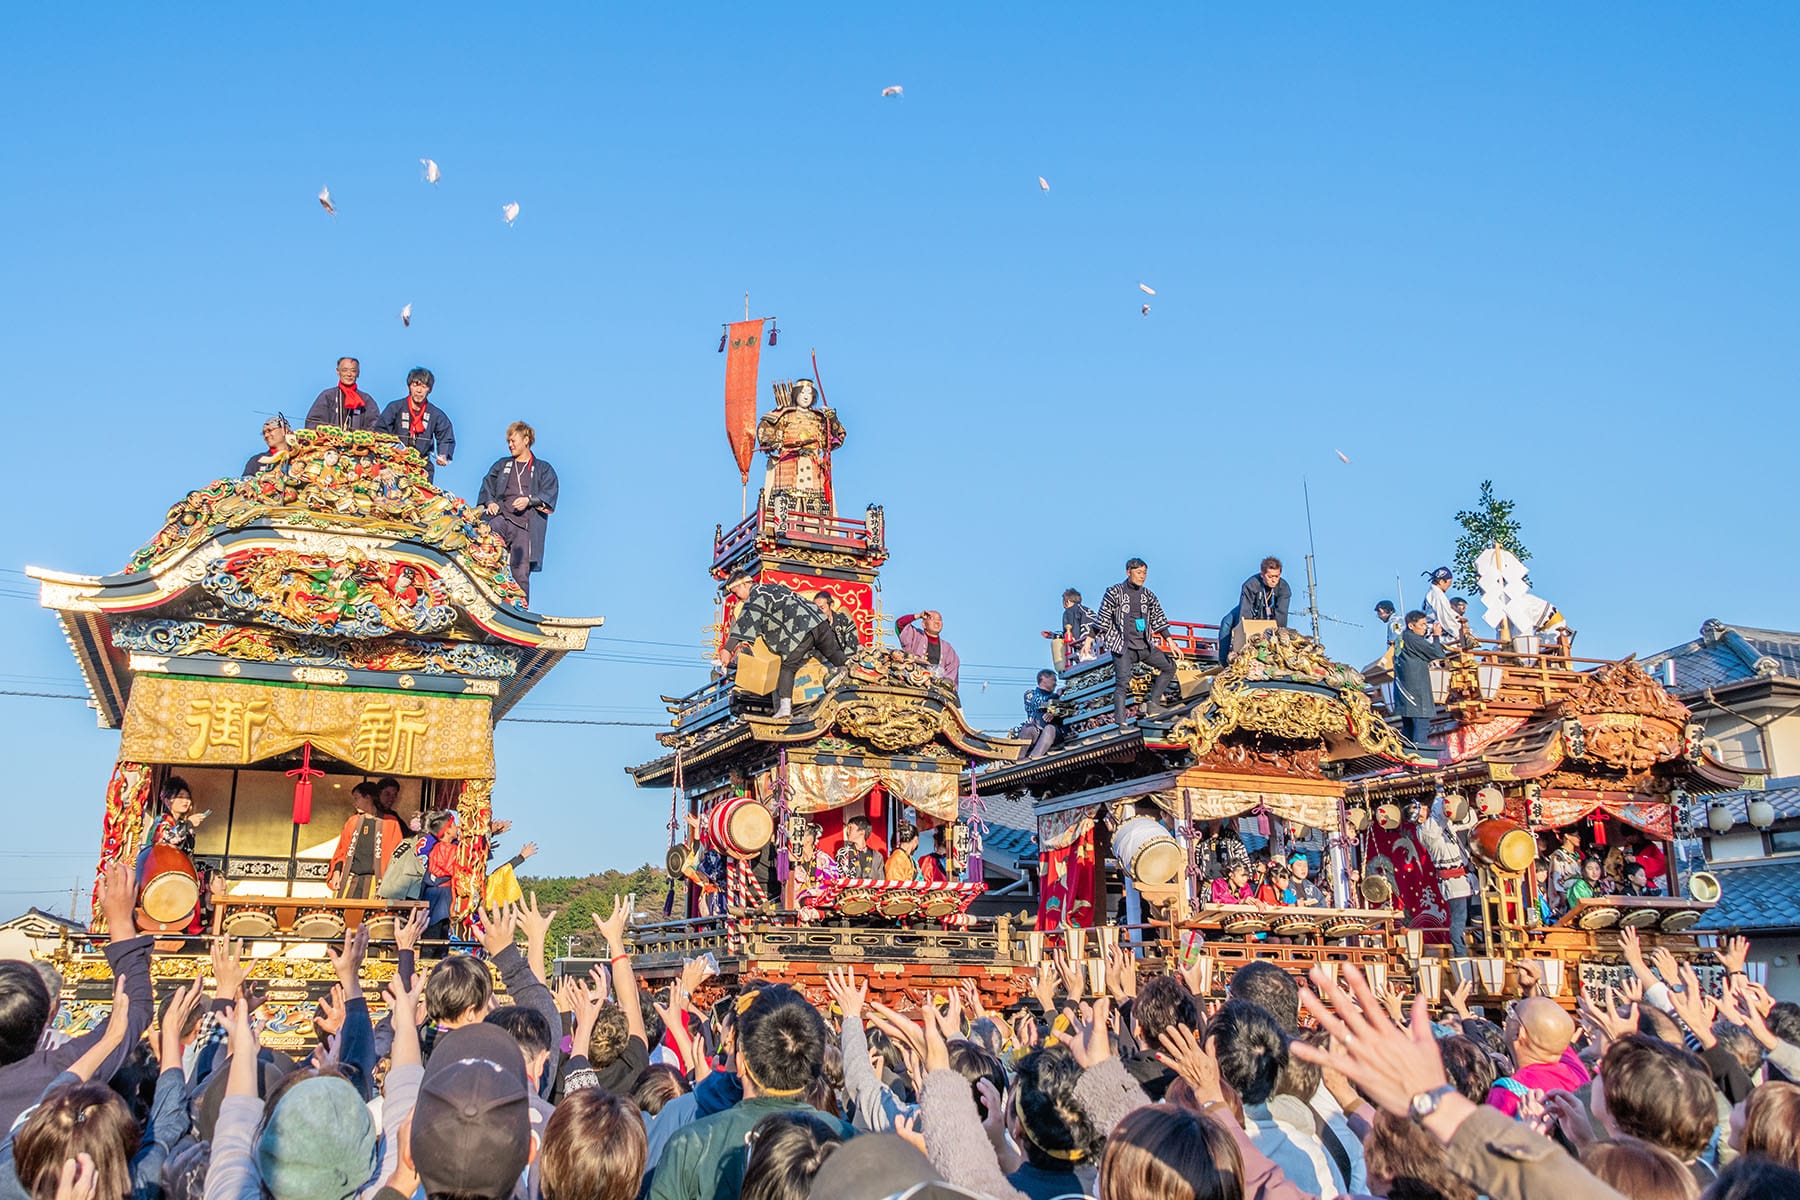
[{"x": 518, "y": 495}]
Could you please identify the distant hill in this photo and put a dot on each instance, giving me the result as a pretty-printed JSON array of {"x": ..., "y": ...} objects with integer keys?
[{"x": 577, "y": 898}]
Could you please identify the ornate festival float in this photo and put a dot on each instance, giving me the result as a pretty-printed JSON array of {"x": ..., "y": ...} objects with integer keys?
[
  {"x": 1133, "y": 819},
  {"x": 334, "y": 619},
  {"x": 761, "y": 806},
  {"x": 1539, "y": 753}
]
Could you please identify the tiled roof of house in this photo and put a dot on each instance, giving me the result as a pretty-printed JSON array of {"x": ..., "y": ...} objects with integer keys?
[
  {"x": 1761, "y": 897},
  {"x": 1726, "y": 654},
  {"x": 1012, "y": 830}
]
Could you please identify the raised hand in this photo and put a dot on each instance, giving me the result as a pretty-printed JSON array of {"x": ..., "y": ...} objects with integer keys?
[
  {"x": 1632, "y": 989},
  {"x": 1571, "y": 1116},
  {"x": 971, "y": 1000},
  {"x": 1610, "y": 1023},
  {"x": 406, "y": 937},
  {"x": 80, "y": 1178},
  {"x": 535, "y": 924},
  {"x": 846, "y": 991},
  {"x": 1393, "y": 998},
  {"x": 112, "y": 1036},
  {"x": 174, "y": 1019},
  {"x": 613, "y": 927},
  {"x": 1182, "y": 1052},
  {"x": 1073, "y": 976},
  {"x": 904, "y": 1030},
  {"x": 1632, "y": 947},
  {"x": 497, "y": 928},
  {"x": 1390, "y": 1063},
  {"x": 1458, "y": 999},
  {"x": 118, "y": 894},
  {"x": 331, "y": 1010},
  {"x": 1121, "y": 973},
  {"x": 1531, "y": 977},
  {"x": 600, "y": 983},
  {"x": 907, "y": 1126},
  {"x": 1692, "y": 1006},
  {"x": 1735, "y": 954},
  {"x": 348, "y": 963},
  {"x": 227, "y": 967},
  {"x": 589, "y": 1001},
  {"x": 1666, "y": 966},
  {"x": 567, "y": 994},
  {"x": 1088, "y": 1039},
  {"x": 1043, "y": 987}
]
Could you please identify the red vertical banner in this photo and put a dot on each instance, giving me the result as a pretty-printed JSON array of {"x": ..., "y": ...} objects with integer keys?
[
  {"x": 1399, "y": 854},
  {"x": 743, "y": 353},
  {"x": 1066, "y": 890}
]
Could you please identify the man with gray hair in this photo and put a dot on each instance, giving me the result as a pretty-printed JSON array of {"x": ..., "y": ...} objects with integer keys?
[{"x": 343, "y": 405}]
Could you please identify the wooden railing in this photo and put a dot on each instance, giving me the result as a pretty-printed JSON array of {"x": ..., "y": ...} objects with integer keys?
[{"x": 844, "y": 533}]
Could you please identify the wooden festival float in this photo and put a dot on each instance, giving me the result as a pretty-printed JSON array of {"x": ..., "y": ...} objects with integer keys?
[
  {"x": 1121, "y": 810},
  {"x": 758, "y": 805},
  {"x": 1533, "y": 742},
  {"x": 332, "y": 619}
]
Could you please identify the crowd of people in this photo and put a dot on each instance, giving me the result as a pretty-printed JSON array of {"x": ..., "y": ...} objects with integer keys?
[
  {"x": 517, "y": 495},
  {"x": 594, "y": 1089}
]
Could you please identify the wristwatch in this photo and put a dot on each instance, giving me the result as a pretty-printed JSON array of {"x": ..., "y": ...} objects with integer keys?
[{"x": 1426, "y": 1103}]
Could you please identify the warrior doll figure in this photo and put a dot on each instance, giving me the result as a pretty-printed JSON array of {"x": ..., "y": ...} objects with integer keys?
[{"x": 799, "y": 435}]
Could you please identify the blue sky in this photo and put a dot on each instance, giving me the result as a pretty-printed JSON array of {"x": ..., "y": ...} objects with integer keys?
[{"x": 1549, "y": 246}]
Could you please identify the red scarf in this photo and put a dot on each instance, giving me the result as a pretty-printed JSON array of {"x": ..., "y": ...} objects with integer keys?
[
  {"x": 353, "y": 400},
  {"x": 416, "y": 417}
]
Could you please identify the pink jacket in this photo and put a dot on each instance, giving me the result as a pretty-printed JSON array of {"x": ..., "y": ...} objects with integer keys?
[{"x": 914, "y": 641}]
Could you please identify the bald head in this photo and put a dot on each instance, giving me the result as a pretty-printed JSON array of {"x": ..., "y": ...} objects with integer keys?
[{"x": 1541, "y": 1031}]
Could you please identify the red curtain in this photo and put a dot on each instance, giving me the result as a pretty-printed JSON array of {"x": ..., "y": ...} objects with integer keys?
[
  {"x": 1398, "y": 853},
  {"x": 745, "y": 342},
  {"x": 1066, "y": 888}
]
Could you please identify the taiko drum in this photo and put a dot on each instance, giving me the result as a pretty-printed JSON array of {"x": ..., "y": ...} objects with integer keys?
[{"x": 740, "y": 826}]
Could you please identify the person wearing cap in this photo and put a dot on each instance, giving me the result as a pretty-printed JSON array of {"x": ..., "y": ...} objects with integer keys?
[
  {"x": 1447, "y": 625},
  {"x": 781, "y": 1050},
  {"x": 788, "y": 624},
  {"x": 471, "y": 1127}
]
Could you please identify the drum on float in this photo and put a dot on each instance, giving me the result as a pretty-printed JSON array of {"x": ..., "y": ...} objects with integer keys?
[
  {"x": 249, "y": 921},
  {"x": 1148, "y": 852},
  {"x": 321, "y": 924},
  {"x": 171, "y": 886},
  {"x": 740, "y": 827},
  {"x": 1505, "y": 845}
]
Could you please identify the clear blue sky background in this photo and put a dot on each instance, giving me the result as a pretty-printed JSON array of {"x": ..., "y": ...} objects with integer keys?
[{"x": 1549, "y": 246}]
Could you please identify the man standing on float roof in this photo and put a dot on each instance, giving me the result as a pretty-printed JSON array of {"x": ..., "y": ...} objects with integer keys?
[
  {"x": 518, "y": 495},
  {"x": 343, "y": 405},
  {"x": 415, "y": 422}
]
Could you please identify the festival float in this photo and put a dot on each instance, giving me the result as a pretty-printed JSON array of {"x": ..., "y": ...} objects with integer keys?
[
  {"x": 1265, "y": 739},
  {"x": 759, "y": 804},
  {"x": 1533, "y": 741},
  {"x": 332, "y": 619}
]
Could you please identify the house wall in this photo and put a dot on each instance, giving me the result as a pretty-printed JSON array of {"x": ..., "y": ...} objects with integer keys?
[
  {"x": 1742, "y": 844},
  {"x": 1782, "y": 743},
  {"x": 1774, "y": 747},
  {"x": 1783, "y": 956}
]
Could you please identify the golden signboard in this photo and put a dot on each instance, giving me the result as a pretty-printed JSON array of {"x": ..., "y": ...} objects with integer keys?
[{"x": 209, "y": 721}]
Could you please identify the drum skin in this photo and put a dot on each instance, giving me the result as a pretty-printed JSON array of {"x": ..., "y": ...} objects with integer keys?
[
  {"x": 1149, "y": 853},
  {"x": 1508, "y": 845},
  {"x": 171, "y": 885},
  {"x": 740, "y": 826},
  {"x": 319, "y": 923},
  {"x": 249, "y": 922}
]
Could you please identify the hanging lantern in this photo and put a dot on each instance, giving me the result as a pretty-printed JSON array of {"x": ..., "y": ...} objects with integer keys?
[
  {"x": 1388, "y": 816},
  {"x": 1762, "y": 814},
  {"x": 1440, "y": 682},
  {"x": 1490, "y": 801},
  {"x": 1357, "y": 818},
  {"x": 1719, "y": 818},
  {"x": 1489, "y": 677},
  {"x": 1456, "y": 806}
]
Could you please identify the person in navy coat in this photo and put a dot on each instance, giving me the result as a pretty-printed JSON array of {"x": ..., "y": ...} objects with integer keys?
[
  {"x": 518, "y": 495},
  {"x": 420, "y": 424},
  {"x": 343, "y": 405}
]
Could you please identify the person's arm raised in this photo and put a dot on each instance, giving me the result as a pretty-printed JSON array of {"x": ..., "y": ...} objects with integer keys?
[{"x": 624, "y": 982}]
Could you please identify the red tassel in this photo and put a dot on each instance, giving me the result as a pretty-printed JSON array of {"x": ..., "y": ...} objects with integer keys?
[
  {"x": 303, "y": 775},
  {"x": 1599, "y": 832}
]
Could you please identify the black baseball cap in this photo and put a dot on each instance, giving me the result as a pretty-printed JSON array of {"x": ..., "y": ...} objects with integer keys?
[{"x": 471, "y": 1128}]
